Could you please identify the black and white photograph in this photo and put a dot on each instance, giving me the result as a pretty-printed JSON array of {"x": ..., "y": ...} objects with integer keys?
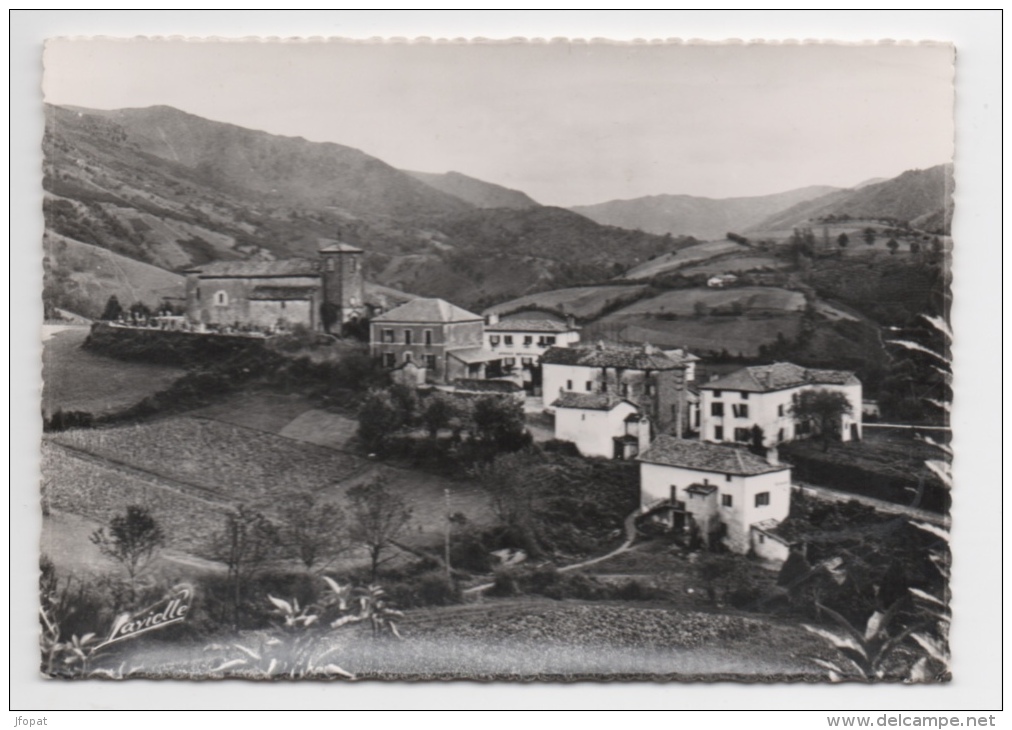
[{"x": 497, "y": 360}]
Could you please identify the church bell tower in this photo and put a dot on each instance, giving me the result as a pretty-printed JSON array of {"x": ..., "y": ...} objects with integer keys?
[{"x": 343, "y": 283}]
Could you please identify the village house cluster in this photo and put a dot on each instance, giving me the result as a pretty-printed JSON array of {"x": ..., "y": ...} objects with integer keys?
[{"x": 707, "y": 452}]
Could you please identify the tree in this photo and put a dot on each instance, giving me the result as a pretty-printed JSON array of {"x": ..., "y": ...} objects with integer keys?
[
  {"x": 700, "y": 309},
  {"x": 869, "y": 236},
  {"x": 842, "y": 240},
  {"x": 246, "y": 541},
  {"x": 892, "y": 245},
  {"x": 439, "y": 412},
  {"x": 377, "y": 517},
  {"x": 378, "y": 418},
  {"x": 513, "y": 483},
  {"x": 329, "y": 314},
  {"x": 133, "y": 540},
  {"x": 822, "y": 408},
  {"x": 500, "y": 420},
  {"x": 313, "y": 532},
  {"x": 113, "y": 309}
]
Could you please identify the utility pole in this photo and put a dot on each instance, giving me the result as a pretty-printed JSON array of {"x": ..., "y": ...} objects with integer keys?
[{"x": 446, "y": 541}]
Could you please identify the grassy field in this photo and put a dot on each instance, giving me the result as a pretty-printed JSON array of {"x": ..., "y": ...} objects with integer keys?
[
  {"x": 584, "y": 302},
  {"x": 78, "y": 380},
  {"x": 673, "y": 261},
  {"x": 701, "y": 335},
  {"x": 232, "y": 462},
  {"x": 733, "y": 263},
  {"x": 683, "y": 301}
]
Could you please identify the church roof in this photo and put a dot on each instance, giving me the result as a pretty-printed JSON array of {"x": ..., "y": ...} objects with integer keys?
[
  {"x": 778, "y": 376},
  {"x": 282, "y": 293},
  {"x": 701, "y": 456},
  {"x": 423, "y": 311},
  {"x": 256, "y": 269}
]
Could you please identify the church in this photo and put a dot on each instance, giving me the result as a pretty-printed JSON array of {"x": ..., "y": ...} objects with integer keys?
[{"x": 322, "y": 294}]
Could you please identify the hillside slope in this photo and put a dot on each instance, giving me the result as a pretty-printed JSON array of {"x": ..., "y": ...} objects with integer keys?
[
  {"x": 703, "y": 218},
  {"x": 921, "y": 197},
  {"x": 169, "y": 189},
  {"x": 477, "y": 192}
]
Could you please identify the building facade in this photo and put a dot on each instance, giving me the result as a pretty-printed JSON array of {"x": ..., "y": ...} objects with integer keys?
[
  {"x": 721, "y": 490},
  {"x": 320, "y": 294},
  {"x": 643, "y": 374},
  {"x": 601, "y": 424},
  {"x": 441, "y": 338},
  {"x": 761, "y": 396}
]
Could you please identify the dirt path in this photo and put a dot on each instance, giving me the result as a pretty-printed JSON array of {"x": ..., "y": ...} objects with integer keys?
[
  {"x": 878, "y": 505},
  {"x": 630, "y": 538}
]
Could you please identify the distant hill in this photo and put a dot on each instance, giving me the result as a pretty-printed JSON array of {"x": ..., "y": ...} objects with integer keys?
[
  {"x": 921, "y": 197},
  {"x": 702, "y": 218},
  {"x": 478, "y": 193},
  {"x": 173, "y": 190},
  {"x": 80, "y": 277},
  {"x": 289, "y": 169}
]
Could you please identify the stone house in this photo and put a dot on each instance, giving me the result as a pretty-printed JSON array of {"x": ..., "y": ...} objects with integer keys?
[
  {"x": 441, "y": 338},
  {"x": 762, "y": 395},
  {"x": 601, "y": 424},
  {"x": 655, "y": 382},
  {"x": 320, "y": 294},
  {"x": 723, "y": 491}
]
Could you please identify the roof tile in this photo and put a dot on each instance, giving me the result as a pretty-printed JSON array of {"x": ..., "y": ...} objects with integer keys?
[{"x": 720, "y": 459}]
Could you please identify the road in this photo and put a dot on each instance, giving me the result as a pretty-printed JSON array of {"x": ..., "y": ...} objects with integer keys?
[{"x": 879, "y": 505}]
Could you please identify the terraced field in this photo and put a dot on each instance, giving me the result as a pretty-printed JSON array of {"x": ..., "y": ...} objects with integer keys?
[
  {"x": 583, "y": 302},
  {"x": 683, "y": 257}
]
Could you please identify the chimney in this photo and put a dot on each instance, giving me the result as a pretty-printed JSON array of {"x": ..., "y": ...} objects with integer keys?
[
  {"x": 643, "y": 434},
  {"x": 492, "y": 318},
  {"x": 570, "y": 322},
  {"x": 773, "y": 456}
]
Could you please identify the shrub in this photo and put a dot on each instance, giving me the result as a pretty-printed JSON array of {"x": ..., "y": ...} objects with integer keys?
[
  {"x": 505, "y": 583},
  {"x": 429, "y": 589}
]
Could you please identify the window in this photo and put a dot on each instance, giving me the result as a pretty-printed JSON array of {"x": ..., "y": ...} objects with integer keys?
[
  {"x": 428, "y": 337},
  {"x": 407, "y": 357},
  {"x": 220, "y": 299},
  {"x": 780, "y": 410},
  {"x": 389, "y": 360},
  {"x": 198, "y": 293},
  {"x": 740, "y": 410},
  {"x": 726, "y": 500},
  {"x": 430, "y": 362},
  {"x": 742, "y": 434},
  {"x": 727, "y": 477},
  {"x": 716, "y": 409},
  {"x": 569, "y": 385},
  {"x": 651, "y": 389},
  {"x": 527, "y": 361},
  {"x": 407, "y": 337},
  {"x": 354, "y": 265},
  {"x": 604, "y": 387},
  {"x": 590, "y": 386},
  {"x": 762, "y": 538},
  {"x": 718, "y": 433},
  {"x": 744, "y": 395},
  {"x": 625, "y": 389},
  {"x": 716, "y": 394},
  {"x": 780, "y": 435},
  {"x": 507, "y": 339},
  {"x": 330, "y": 264},
  {"x": 388, "y": 336},
  {"x": 549, "y": 341},
  {"x": 493, "y": 340},
  {"x": 762, "y": 499},
  {"x": 528, "y": 340}
]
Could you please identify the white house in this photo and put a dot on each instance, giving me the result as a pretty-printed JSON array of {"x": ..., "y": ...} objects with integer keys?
[
  {"x": 522, "y": 340},
  {"x": 601, "y": 424},
  {"x": 718, "y": 488},
  {"x": 643, "y": 374},
  {"x": 719, "y": 281},
  {"x": 731, "y": 406}
]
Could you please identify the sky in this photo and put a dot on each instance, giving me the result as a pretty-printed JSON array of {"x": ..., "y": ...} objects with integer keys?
[{"x": 567, "y": 123}]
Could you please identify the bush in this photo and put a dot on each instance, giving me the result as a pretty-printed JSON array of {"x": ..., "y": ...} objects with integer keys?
[
  {"x": 428, "y": 589},
  {"x": 505, "y": 583},
  {"x": 559, "y": 446}
]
